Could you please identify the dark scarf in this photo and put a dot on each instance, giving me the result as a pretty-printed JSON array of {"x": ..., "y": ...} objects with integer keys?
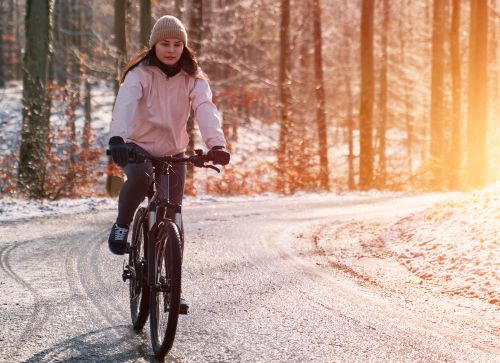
[{"x": 170, "y": 71}]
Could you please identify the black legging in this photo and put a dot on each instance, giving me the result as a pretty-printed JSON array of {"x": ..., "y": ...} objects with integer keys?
[{"x": 135, "y": 188}]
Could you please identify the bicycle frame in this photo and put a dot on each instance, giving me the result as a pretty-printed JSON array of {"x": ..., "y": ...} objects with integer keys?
[
  {"x": 159, "y": 208},
  {"x": 159, "y": 198},
  {"x": 159, "y": 205}
]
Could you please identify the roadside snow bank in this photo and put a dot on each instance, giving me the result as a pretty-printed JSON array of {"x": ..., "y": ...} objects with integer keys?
[
  {"x": 14, "y": 209},
  {"x": 454, "y": 245},
  {"x": 18, "y": 209}
]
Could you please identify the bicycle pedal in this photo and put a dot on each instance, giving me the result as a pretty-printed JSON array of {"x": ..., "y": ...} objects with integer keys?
[
  {"x": 126, "y": 272},
  {"x": 183, "y": 307}
]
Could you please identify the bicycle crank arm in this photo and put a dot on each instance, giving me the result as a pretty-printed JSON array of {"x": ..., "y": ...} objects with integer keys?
[
  {"x": 161, "y": 288},
  {"x": 128, "y": 272}
]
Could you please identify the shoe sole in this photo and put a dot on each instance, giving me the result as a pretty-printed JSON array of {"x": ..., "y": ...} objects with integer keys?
[{"x": 117, "y": 248}]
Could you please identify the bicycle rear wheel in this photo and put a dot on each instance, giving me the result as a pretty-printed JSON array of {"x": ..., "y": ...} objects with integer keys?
[
  {"x": 165, "y": 296},
  {"x": 138, "y": 288}
]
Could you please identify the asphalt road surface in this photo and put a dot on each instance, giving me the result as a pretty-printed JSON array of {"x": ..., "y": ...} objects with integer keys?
[{"x": 253, "y": 298}]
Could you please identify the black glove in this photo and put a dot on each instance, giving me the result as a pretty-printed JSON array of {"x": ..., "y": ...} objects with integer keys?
[
  {"x": 119, "y": 150},
  {"x": 219, "y": 155}
]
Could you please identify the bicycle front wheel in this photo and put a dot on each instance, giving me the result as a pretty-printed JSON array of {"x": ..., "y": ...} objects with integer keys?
[
  {"x": 138, "y": 288},
  {"x": 165, "y": 295}
]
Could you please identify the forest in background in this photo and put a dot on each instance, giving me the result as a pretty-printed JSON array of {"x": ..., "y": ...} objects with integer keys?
[{"x": 408, "y": 89}]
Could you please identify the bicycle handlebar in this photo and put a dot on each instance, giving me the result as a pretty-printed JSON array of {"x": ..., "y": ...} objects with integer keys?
[{"x": 198, "y": 159}]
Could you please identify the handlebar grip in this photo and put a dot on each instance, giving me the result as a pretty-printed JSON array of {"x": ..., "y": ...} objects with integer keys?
[{"x": 133, "y": 157}]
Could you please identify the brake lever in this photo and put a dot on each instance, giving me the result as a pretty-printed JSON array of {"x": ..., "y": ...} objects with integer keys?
[
  {"x": 212, "y": 167},
  {"x": 198, "y": 162}
]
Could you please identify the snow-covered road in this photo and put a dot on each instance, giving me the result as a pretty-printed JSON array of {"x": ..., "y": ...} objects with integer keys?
[{"x": 258, "y": 291}]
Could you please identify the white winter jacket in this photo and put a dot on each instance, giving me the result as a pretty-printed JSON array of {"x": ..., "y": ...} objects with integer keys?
[{"x": 151, "y": 110}]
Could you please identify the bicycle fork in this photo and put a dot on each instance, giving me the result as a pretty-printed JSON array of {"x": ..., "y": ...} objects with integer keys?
[
  {"x": 151, "y": 248},
  {"x": 174, "y": 214}
]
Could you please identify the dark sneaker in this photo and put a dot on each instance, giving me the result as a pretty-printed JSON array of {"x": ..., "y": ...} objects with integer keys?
[
  {"x": 183, "y": 307},
  {"x": 118, "y": 239}
]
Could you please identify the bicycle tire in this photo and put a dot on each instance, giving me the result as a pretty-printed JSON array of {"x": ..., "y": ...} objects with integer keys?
[
  {"x": 138, "y": 288},
  {"x": 164, "y": 298}
]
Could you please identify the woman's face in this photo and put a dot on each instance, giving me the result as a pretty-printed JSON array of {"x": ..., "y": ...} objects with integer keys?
[{"x": 169, "y": 51}]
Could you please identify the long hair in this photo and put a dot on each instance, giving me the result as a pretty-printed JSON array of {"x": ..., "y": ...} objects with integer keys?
[{"x": 187, "y": 62}]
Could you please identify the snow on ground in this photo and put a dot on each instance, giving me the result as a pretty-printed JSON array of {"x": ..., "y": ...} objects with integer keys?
[
  {"x": 16, "y": 209},
  {"x": 13, "y": 209},
  {"x": 451, "y": 248},
  {"x": 454, "y": 245}
]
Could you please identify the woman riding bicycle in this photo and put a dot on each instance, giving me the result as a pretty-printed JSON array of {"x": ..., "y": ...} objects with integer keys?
[{"x": 158, "y": 88}]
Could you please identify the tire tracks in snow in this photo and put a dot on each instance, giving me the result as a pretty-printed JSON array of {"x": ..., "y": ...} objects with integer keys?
[
  {"x": 91, "y": 283},
  {"x": 74, "y": 279},
  {"x": 101, "y": 301},
  {"x": 39, "y": 312}
]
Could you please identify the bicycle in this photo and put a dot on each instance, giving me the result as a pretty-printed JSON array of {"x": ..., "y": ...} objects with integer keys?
[{"x": 155, "y": 251}]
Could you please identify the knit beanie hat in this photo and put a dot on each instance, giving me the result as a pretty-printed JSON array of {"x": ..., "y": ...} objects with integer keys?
[{"x": 167, "y": 27}]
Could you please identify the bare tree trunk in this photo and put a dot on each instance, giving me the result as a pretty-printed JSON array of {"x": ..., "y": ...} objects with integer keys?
[
  {"x": 367, "y": 91},
  {"x": 3, "y": 13},
  {"x": 145, "y": 22},
  {"x": 178, "y": 8},
  {"x": 87, "y": 127},
  {"x": 301, "y": 127},
  {"x": 18, "y": 14},
  {"x": 284, "y": 91},
  {"x": 437, "y": 94},
  {"x": 493, "y": 52},
  {"x": 409, "y": 127},
  {"x": 196, "y": 25},
  {"x": 424, "y": 123},
  {"x": 350, "y": 137},
  {"x": 36, "y": 103},
  {"x": 478, "y": 91},
  {"x": 383, "y": 99},
  {"x": 86, "y": 47},
  {"x": 350, "y": 123},
  {"x": 455, "y": 156},
  {"x": 195, "y": 34},
  {"x": 114, "y": 183},
  {"x": 320, "y": 96},
  {"x": 62, "y": 48},
  {"x": 120, "y": 38},
  {"x": 406, "y": 90},
  {"x": 73, "y": 88}
]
